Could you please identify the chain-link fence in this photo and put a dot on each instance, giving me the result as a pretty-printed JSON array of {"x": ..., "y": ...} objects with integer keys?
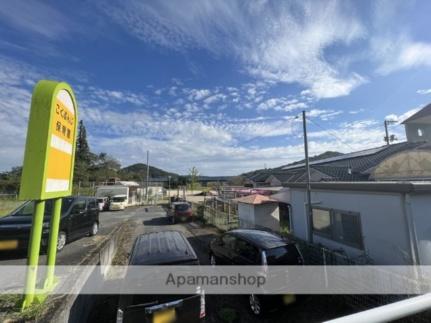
[
  {"x": 212, "y": 214},
  {"x": 316, "y": 254}
]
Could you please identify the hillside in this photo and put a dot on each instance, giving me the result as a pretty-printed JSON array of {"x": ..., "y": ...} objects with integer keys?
[{"x": 138, "y": 172}]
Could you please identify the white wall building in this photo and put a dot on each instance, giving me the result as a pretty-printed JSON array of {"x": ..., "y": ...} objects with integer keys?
[
  {"x": 258, "y": 211},
  {"x": 390, "y": 222}
]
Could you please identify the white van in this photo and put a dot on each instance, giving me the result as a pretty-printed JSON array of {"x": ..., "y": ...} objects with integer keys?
[{"x": 118, "y": 202}]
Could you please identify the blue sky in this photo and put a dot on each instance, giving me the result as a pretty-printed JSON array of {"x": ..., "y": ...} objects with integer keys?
[{"x": 218, "y": 84}]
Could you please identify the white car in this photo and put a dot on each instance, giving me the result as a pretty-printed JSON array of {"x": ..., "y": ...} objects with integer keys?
[{"x": 101, "y": 203}]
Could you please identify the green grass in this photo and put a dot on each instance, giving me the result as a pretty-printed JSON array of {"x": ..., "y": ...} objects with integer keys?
[
  {"x": 7, "y": 206},
  {"x": 10, "y": 309}
]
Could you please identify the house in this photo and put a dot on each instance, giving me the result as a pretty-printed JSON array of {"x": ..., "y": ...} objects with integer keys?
[
  {"x": 258, "y": 211},
  {"x": 418, "y": 126},
  {"x": 257, "y": 179},
  {"x": 409, "y": 160},
  {"x": 388, "y": 222}
]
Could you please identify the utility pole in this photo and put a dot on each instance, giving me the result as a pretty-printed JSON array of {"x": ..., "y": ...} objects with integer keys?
[
  {"x": 386, "y": 132},
  {"x": 148, "y": 174},
  {"x": 169, "y": 188},
  {"x": 386, "y": 123},
  {"x": 307, "y": 168}
]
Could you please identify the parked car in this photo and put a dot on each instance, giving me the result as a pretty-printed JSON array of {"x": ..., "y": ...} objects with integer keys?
[
  {"x": 79, "y": 217},
  {"x": 103, "y": 203},
  {"x": 161, "y": 248},
  {"x": 254, "y": 248},
  {"x": 118, "y": 202},
  {"x": 181, "y": 211}
]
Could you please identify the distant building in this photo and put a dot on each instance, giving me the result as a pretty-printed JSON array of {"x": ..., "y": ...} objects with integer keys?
[{"x": 132, "y": 190}]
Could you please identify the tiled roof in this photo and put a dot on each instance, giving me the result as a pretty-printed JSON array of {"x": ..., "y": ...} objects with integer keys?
[
  {"x": 355, "y": 166},
  {"x": 255, "y": 199}
]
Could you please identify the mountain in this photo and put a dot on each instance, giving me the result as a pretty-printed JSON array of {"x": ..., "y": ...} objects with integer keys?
[{"x": 138, "y": 172}]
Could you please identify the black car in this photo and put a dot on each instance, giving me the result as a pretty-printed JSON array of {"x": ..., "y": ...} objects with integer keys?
[
  {"x": 79, "y": 217},
  {"x": 161, "y": 248},
  {"x": 255, "y": 248}
]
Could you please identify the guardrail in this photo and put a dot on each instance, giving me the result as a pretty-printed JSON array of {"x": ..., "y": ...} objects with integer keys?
[{"x": 389, "y": 312}]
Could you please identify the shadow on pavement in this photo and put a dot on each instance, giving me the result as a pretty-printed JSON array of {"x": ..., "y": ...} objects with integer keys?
[{"x": 163, "y": 220}]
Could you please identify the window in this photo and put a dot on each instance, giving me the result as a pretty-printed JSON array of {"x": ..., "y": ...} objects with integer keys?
[
  {"x": 420, "y": 133},
  {"x": 246, "y": 250},
  {"x": 28, "y": 208},
  {"x": 348, "y": 228},
  {"x": 284, "y": 211},
  {"x": 78, "y": 207},
  {"x": 337, "y": 225},
  {"x": 92, "y": 204},
  {"x": 285, "y": 255},
  {"x": 322, "y": 221},
  {"x": 228, "y": 241}
]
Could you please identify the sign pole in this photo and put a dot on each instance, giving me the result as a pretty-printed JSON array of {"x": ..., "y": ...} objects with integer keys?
[
  {"x": 33, "y": 252},
  {"x": 47, "y": 173},
  {"x": 52, "y": 243}
]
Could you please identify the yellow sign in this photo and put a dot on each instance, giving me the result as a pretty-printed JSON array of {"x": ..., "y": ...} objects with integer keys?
[
  {"x": 62, "y": 141},
  {"x": 50, "y": 147}
]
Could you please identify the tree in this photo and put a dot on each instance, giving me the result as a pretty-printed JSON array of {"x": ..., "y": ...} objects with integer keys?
[
  {"x": 237, "y": 181},
  {"x": 82, "y": 148},
  {"x": 10, "y": 180},
  {"x": 194, "y": 173},
  {"x": 83, "y": 156},
  {"x": 104, "y": 167}
]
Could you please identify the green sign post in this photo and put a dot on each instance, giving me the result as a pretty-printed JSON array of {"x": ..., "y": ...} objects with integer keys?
[{"x": 47, "y": 172}]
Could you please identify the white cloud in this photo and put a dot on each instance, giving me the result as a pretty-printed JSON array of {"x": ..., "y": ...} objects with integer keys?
[
  {"x": 400, "y": 118},
  {"x": 199, "y": 94},
  {"x": 35, "y": 17},
  {"x": 281, "y": 104},
  {"x": 285, "y": 43},
  {"x": 323, "y": 114},
  {"x": 394, "y": 54},
  {"x": 424, "y": 91},
  {"x": 116, "y": 96}
]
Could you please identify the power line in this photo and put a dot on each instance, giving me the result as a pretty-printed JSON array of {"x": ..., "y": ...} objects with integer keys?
[{"x": 332, "y": 134}]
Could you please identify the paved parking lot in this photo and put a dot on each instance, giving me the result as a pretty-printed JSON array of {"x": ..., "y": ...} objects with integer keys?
[{"x": 220, "y": 308}]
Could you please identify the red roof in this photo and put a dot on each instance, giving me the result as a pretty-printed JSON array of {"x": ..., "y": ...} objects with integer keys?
[{"x": 255, "y": 199}]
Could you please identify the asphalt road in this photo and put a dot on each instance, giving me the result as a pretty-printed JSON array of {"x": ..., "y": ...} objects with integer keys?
[{"x": 75, "y": 251}]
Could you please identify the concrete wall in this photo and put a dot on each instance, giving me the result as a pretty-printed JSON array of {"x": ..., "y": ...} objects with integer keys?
[
  {"x": 246, "y": 216},
  {"x": 412, "y": 132},
  {"x": 384, "y": 229},
  {"x": 262, "y": 215},
  {"x": 267, "y": 215}
]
